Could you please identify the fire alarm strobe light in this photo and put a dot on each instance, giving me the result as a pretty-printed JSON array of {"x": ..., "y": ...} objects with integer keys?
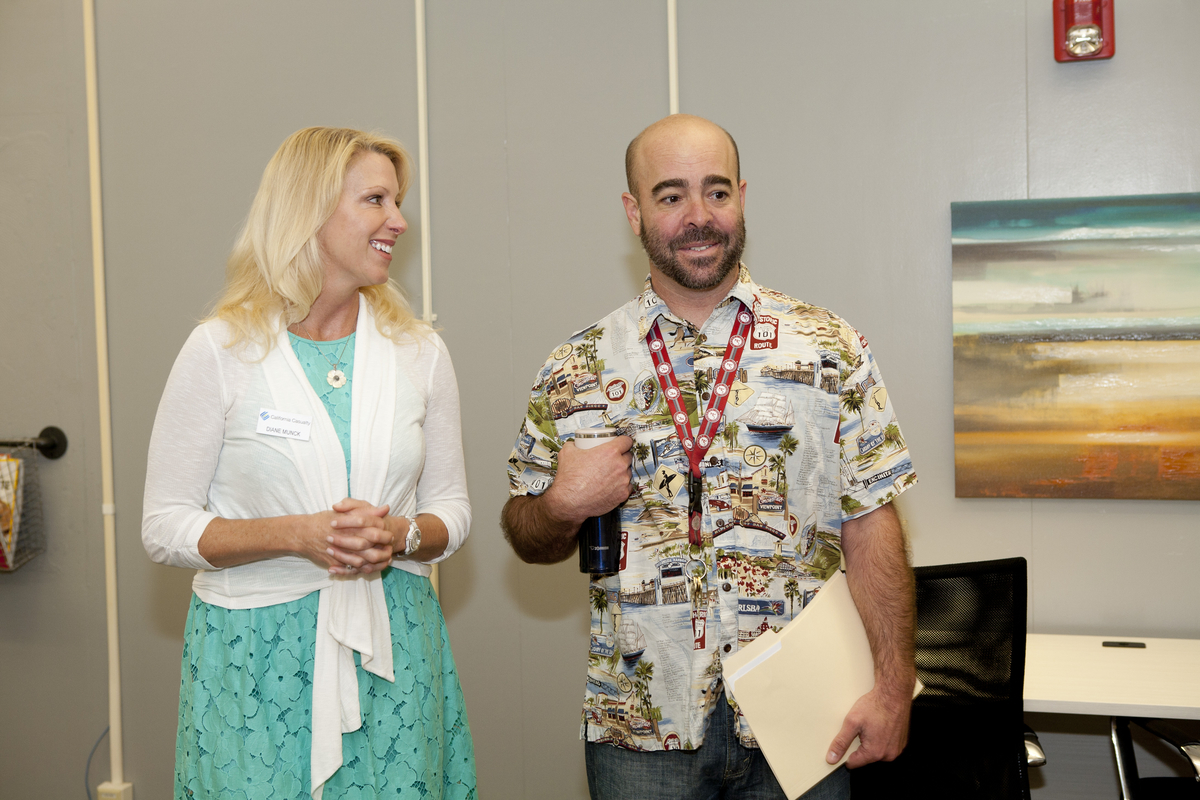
[{"x": 1083, "y": 30}]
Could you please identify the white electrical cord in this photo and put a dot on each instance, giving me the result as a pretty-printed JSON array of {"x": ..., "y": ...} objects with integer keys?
[
  {"x": 423, "y": 182},
  {"x": 108, "y": 508},
  {"x": 673, "y": 55}
]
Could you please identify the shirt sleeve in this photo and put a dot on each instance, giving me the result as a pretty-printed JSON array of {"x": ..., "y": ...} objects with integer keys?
[
  {"x": 534, "y": 459},
  {"x": 189, "y": 429},
  {"x": 442, "y": 487},
  {"x": 876, "y": 466}
]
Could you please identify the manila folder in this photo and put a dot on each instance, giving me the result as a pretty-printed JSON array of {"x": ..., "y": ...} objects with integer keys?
[{"x": 796, "y": 686}]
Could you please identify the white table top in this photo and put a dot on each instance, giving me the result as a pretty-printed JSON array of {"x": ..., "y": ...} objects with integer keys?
[{"x": 1077, "y": 675}]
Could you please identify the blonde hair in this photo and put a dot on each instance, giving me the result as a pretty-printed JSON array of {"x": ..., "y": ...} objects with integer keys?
[{"x": 276, "y": 266}]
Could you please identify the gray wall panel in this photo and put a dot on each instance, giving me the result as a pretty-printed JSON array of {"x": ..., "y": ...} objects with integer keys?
[
  {"x": 472, "y": 291},
  {"x": 54, "y": 704}
]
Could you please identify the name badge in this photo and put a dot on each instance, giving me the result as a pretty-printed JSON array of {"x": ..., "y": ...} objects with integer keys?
[{"x": 284, "y": 423}]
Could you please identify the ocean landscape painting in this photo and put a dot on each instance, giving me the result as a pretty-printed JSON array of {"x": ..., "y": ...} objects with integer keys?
[{"x": 1077, "y": 347}]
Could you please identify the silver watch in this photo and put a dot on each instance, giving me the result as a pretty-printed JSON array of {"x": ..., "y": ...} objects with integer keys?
[{"x": 412, "y": 541}]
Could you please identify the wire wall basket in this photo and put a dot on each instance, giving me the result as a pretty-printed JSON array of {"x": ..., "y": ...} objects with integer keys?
[{"x": 22, "y": 533}]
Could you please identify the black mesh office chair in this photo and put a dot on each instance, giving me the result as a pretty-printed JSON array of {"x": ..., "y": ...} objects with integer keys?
[
  {"x": 1183, "y": 736},
  {"x": 966, "y": 739}
]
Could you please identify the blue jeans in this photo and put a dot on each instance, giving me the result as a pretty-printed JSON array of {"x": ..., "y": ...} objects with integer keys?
[{"x": 720, "y": 768}]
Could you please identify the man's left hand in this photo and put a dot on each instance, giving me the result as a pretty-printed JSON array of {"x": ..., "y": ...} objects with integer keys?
[{"x": 881, "y": 725}]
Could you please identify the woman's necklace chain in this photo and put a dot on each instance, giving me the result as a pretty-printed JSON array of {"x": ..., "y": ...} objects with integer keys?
[{"x": 336, "y": 378}]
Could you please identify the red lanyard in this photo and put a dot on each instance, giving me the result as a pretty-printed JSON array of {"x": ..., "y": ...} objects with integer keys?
[{"x": 696, "y": 448}]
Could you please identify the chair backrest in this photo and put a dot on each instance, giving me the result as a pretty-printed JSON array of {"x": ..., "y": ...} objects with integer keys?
[
  {"x": 966, "y": 735},
  {"x": 971, "y": 631}
]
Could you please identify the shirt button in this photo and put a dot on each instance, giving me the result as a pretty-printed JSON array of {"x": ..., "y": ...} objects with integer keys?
[
  {"x": 727, "y": 648},
  {"x": 725, "y": 587}
]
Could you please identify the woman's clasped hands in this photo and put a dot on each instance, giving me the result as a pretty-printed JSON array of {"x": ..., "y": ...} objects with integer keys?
[{"x": 361, "y": 538}]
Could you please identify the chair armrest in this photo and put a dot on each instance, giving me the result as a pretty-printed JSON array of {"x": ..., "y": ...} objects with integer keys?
[
  {"x": 1187, "y": 742},
  {"x": 1035, "y": 756}
]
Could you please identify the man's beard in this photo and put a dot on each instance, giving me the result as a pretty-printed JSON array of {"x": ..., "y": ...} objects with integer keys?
[{"x": 707, "y": 273}]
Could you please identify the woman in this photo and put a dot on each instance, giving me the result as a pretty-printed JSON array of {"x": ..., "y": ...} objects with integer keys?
[{"x": 307, "y": 439}]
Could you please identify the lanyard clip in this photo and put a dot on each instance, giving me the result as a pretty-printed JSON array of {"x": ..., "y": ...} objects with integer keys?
[{"x": 695, "y": 486}]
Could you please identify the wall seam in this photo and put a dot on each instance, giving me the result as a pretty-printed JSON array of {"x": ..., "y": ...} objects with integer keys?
[
  {"x": 512, "y": 364},
  {"x": 1031, "y": 611},
  {"x": 1027, "y": 196}
]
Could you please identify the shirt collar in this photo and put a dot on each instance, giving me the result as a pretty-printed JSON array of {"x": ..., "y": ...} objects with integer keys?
[{"x": 652, "y": 306}]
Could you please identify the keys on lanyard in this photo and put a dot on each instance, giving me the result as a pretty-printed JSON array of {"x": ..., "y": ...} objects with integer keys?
[{"x": 697, "y": 574}]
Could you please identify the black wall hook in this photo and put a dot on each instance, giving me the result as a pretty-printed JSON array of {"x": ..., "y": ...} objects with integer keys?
[{"x": 51, "y": 442}]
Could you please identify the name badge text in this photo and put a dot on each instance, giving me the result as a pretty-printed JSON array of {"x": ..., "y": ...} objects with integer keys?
[{"x": 284, "y": 423}]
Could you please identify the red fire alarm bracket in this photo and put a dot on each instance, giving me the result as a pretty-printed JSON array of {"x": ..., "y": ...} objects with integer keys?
[{"x": 1083, "y": 30}]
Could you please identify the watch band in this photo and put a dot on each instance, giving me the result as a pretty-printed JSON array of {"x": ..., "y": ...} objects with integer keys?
[{"x": 412, "y": 541}]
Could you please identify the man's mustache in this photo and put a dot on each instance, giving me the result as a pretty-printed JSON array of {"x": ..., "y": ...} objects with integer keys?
[{"x": 699, "y": 236}]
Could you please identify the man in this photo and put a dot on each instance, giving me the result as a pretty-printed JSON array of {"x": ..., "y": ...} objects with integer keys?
[{"x": 762, "y": 449}]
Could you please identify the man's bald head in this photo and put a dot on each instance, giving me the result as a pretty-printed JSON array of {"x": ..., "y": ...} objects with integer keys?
[{"x": 662, "y": 132}]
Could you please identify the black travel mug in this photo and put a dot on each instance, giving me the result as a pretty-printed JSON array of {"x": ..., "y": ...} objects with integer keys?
[{"x": 599, "y": 537}]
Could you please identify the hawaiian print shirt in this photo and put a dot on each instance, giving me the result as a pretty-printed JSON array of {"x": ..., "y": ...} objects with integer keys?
[{"x": 808, "y": 440}]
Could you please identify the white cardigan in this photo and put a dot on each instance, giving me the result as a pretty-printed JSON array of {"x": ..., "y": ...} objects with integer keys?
[{"x": 207, "y": 460}]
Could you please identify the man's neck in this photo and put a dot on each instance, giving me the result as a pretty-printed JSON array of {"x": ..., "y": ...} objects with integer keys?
[{"x": 693, "y": 305}]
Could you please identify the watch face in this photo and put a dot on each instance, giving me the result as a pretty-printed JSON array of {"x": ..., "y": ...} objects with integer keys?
[{"x": 413, "y": 541}]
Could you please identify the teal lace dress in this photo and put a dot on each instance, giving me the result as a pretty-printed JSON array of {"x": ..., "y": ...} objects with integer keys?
[{"x": 245, "y": 703}]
